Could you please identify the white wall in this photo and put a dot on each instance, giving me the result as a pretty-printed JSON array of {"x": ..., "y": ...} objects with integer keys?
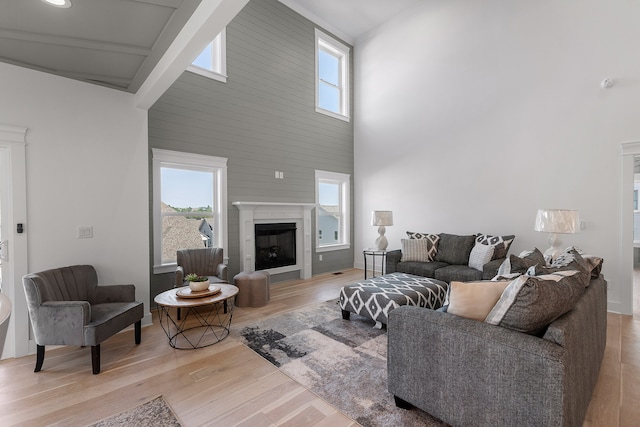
[
  {"x": 471, "y": 115},
  {"x": 87, "y": 165}
]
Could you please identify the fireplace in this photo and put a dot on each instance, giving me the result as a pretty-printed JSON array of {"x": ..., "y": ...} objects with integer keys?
[
  {"x": 259, "y": 213},
  {"x": 275, "y": 245}
]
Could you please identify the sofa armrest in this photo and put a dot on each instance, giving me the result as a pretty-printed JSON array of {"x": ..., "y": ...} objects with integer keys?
[
  {"x": 490, "y": 269},
  {"x": 179, "y": 276},
  {"x": 221, "y": 272},
  {"x": 115, "y": 293},
  {"x": 470, "y": 373},
  {"x": 61, "y": 322},
  {"x": 393, "y": 258}
]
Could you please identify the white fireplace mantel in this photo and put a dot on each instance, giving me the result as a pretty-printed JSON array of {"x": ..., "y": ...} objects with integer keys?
[{"x": 252, "y": 213}]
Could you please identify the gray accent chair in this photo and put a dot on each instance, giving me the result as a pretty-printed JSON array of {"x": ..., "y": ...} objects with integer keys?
[
  {"x": 470, "y": 373},
  {"x": 67, "y": 307},
  {"x": 203, "y": 262}
]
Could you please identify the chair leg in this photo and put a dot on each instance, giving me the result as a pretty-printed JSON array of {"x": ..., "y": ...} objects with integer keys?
[
  {"x": 138, "y": 333},
  {"x": 95, "y": 358},
  {"x": 39, "y": 357}
]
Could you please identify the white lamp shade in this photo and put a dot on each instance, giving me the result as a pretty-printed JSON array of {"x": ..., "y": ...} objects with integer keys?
[
  {"x": 383, "y": 218},
  {"x": 563, "y": 221}
]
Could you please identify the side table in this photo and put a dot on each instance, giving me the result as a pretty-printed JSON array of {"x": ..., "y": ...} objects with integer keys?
[{"x": 374, "y": 253}]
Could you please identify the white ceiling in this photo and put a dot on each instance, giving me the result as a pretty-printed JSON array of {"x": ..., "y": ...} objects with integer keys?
[
  {"x": 117, "y": 43},
  {"x": 349, "y": 19}
]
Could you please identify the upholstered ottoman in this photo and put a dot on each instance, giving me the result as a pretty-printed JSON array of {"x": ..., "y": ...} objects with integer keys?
[
  {"x": 375, "y": 298},
  {"x": 253, "y": 289}
]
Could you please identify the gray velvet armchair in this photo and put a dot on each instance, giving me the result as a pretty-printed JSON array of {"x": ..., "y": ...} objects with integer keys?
[
  {"x": 67, "y": 307},
  {"x": 203, "y": 262}
]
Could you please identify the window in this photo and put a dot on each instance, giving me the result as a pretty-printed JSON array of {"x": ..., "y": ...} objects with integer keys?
[
  {"x": 332, "y": 77},
  {"x": 332, "y": 211},
  {"x": 212, "y": 62},
  {"x": 189, "y": 205}
]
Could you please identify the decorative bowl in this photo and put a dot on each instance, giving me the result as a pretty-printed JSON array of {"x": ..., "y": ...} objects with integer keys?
[{"x": 199, "y": 286}]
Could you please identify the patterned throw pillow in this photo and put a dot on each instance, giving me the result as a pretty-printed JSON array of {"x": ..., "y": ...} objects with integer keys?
[
  {"x": 421, "y": 250},
  {"x": 480, "y": 255},
  {"x": 501, "y": 243},
  {"x": 529, "y": 303},
  {"x": 416, "y": 235}
]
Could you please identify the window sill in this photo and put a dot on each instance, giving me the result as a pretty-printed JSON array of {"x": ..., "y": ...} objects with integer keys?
[
  {"x": 207, "y": 73},
  {"x": 332, "y": 114},
  {"x": 165, "y": 268},
  {"x": 330, "y": 248}
]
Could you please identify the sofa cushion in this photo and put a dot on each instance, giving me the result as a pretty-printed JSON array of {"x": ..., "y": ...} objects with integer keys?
[
  {"x": 501, "y": 244},
  {"x": 480, "y": 255},
  {"x": 462, "y": 273},
  {"x": 570, "y": 259},
  {"x": 530, "y": 303},
  {"x": 422, "y": 250},
  {"x": 454, "y": 249},
  {"x": 426, "y": 269},
  {"x": 474, "y": 300}
]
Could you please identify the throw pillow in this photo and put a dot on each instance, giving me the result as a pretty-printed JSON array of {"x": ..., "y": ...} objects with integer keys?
[
  {"x": 454, "y": 249},
  {"x": 501, "y": 244},
  {"x": 530, "y": 303},
  {"x": 474, "y": 300},
  {"x": 568, "y": 260},
  {"x": 416, "y": 235},
  {"x": 522, "y": 264},
  {"x": 421, "y": 250},
  {"x": 480, "y": 255}
]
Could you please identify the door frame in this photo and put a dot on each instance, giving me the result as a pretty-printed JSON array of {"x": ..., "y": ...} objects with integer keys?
[
  {"x": 628, "y": 150},
  {"x": 13, "y": 139}
]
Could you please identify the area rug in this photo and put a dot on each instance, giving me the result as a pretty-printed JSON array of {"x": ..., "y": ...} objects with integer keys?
[
  {"x": 155, "y": 413},
  {"x": 342, "y": 361}
]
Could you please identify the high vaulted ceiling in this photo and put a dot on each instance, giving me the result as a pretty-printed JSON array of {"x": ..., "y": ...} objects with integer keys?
[
  {"x": 118, "y": 43},
  {"x": 115, "y": 43}
]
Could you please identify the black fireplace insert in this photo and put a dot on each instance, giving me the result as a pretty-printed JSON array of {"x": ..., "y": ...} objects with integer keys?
[{"x": 275, "y": 245}]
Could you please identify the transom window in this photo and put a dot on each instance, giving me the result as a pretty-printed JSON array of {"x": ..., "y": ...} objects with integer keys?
[
  {"x": 332, "y": 211},
  {"x": 189, "y": 195},
  {"x": 212, "y": 62},
  {"x": 332, "y": 76}
]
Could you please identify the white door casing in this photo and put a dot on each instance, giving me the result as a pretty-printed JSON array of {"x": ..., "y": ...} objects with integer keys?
[{"x": 13, "y": 142}]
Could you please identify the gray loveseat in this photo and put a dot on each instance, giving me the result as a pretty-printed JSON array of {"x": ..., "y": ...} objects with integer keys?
[
  {"x": 450, "y": 257},
  {"x": 471, "y": 373}
]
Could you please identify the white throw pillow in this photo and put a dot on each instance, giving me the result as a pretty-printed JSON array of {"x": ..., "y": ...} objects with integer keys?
[
  {"x": 480, "y": 255},
  {"x": 421, "y": 250}
]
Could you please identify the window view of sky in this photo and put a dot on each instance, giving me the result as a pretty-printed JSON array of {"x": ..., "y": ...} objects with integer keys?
[
  {"x": 183, "y": 188},
  {"x": 328, "y": 194}
]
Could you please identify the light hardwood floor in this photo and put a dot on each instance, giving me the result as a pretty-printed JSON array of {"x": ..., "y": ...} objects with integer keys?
[{"x": 227, "y": 384}]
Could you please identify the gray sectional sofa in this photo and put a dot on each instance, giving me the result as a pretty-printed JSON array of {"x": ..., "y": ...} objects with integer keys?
[
  {"x": 449, "y": 259},
  {"x": 472, "y": 373}
]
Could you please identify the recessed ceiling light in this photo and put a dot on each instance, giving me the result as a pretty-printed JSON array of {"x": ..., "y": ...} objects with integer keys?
[{"x": 59, "y": 3}]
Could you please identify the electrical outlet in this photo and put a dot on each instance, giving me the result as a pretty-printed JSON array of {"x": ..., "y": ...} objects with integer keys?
[
  {"x": 320, "y": 257},
  {"x": 85, "y": 232}
]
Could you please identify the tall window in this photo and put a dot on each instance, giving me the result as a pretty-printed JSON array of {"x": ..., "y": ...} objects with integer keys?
[
  {"x": 332, "y": 211},
  {"x": 189, "y": 202},
  {"x": 332, "y": 76},
  {"x": 212, "y": 62}
]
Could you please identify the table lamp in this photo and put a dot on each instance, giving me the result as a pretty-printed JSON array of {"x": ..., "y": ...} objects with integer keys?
[
  {"x": 555, "y": 222},
  {"x": 381, "y": 219}
]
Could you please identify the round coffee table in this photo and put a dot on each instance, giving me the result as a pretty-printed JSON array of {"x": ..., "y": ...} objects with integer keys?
[{"x": 205, "y": 320}]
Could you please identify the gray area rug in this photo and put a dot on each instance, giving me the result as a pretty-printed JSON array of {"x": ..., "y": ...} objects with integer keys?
[
  {"x": 342, "y": 361},
  {"x": 155, "y": 413}
]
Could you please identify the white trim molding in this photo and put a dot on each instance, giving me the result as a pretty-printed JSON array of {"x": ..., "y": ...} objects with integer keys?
[
  {"x": 267, "y": 212},
  {"x": 624, "y": 304}
]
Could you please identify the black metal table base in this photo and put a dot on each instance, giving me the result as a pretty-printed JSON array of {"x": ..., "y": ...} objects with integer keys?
[{"x": 209, "y": 325}]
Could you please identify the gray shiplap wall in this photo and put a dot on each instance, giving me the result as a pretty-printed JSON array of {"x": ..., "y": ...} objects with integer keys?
[{"x": 262, "y": 119}]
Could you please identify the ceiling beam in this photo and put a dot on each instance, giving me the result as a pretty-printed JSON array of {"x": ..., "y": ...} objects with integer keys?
[{"x": 204, "y": 25}]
